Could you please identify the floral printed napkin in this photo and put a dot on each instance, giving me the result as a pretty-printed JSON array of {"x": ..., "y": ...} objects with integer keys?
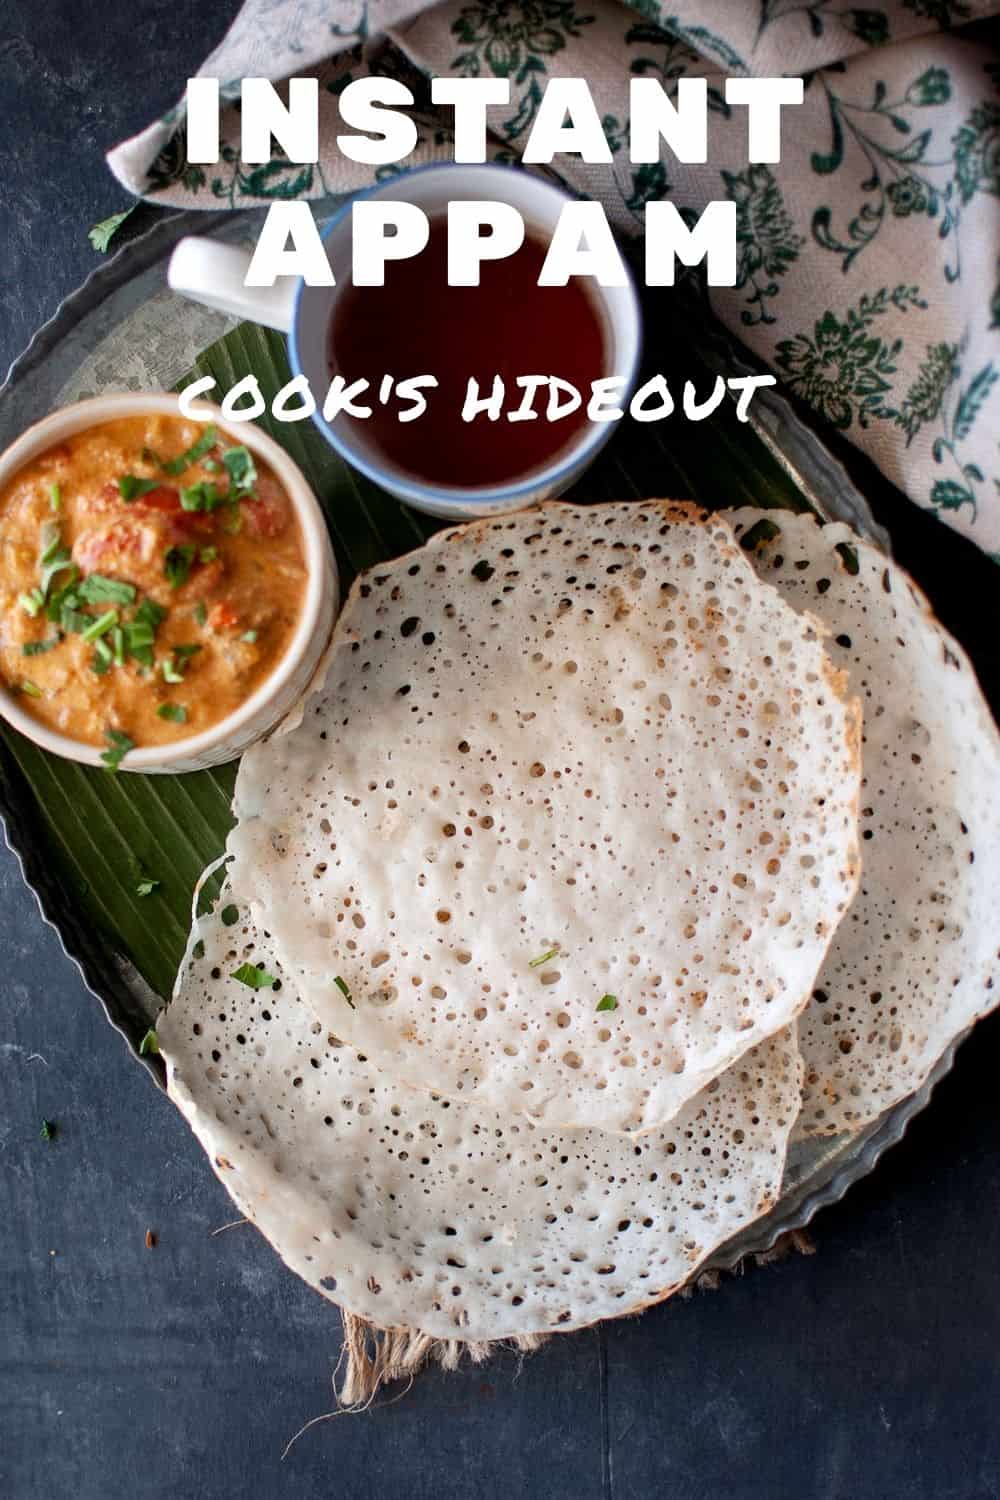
[{"x": 869, "y": 259}]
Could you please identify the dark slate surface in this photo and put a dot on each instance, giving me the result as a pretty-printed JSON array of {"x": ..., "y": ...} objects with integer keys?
[{"x": 868, "y": 1371}]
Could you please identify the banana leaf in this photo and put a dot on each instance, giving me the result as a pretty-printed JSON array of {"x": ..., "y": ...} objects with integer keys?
[{"x": 99, "y": 837}]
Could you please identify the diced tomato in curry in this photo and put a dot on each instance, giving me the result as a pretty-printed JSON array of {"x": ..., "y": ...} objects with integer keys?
[{"x": 206, "y": 544}]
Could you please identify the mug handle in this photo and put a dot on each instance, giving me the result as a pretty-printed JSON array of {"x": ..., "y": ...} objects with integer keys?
[{"x": 214, "y": 274}]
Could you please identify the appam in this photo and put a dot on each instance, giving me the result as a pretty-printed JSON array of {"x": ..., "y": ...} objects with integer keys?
[
  {"x": 572, "y": 821},
  {"x": 914, "y": 963},
  {"x": 411, "y": 1211}
]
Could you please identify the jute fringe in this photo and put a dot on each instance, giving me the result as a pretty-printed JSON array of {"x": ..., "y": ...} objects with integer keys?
[{"x": 373, "y": 1357}]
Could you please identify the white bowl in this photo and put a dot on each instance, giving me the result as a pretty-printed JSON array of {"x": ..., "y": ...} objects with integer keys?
[{"x": 281, "y": 691}]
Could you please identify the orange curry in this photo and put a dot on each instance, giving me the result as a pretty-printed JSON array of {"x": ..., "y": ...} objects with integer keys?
[{"x": 151, "y": 577}]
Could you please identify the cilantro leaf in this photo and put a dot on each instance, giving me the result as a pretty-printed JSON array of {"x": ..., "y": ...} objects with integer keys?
[
  {"x": 96, "y": 589},
  {"x": 203, "y": 496},
  {"x": 54, "y": 556},
  {"x": 32, "y": 601},
  {"x": 102, "y": 659},
  {"x": 241, "y": 468},
  {"x": 150, "y": 613},
  {"x": 205, "y": 444},
  {"x": 536, "y": 963},
  {"x": 175, "y": 712},
  {"x": 100, "y": 626},
  {"x": 130, "y": 487},
  {"x": 119, "y": 745},
  {"x": 39, "y": 648},
  {"x": 177, "y": 564},
  {"x": 65, "y": 597},
  {"x": 48, "y": 1130},
  {"x": 100, "y": 235},
  {"x": 146, "y": 886},
  {"x": 254, "y": 976},
  {"x": 342, "y": 987},
  {"x": 607, "y": 1002}
]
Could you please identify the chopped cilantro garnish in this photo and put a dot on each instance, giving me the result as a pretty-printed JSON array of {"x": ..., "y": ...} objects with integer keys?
[
  {"x": 32, "y": 601},
  {"x": 102, "y": 658},
  {"x": 607, "y": 1002},
  {"x": 55, "y": 496},
  {"x": 241, "y": 468},
  {"x": 150, "y": 613},
  {"x": 100, "y": 626},
  {"x": 48, "y": 1130},
  {"x": 208, "y": 554},
  {"x": 96, "y": 589},
  {"x": 249, "y": 636},
  {"x": 73, "y": 620},
  {"x": 119, "y": 745},
  {"x": 141, "y": 630},
  {"x": 146, "y": 886},
  {"x": 130, "y": 487},
  {"x": 201, "y": 612},
  {"x": 197, "y": 450},
  {"x": 65, "y": 597},
  {"x": 54, "y": 556},
  {"x": 39, "y": 648},
  {"x": 342, "y": 987},
  {"x": 177, "y": 564},
  {"x": 204, "y": 496},
  {"x": 175, "y": 712},
  {"x": 150, "y": 1043},
  {"x": 543, "y": 958},
  {"x": 172, "y": 666},
  {"x": 139, "y": 641},
  {"x": 254, "y": 976},
  {"x": 210, "y": 466},
  {"x": 30, "y": 689}
]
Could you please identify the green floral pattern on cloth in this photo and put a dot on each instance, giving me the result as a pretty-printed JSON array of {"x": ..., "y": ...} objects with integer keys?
[
  {"x": 868, "y": 260},
  {"x": 503, "y": 39},
  {"x": 843, "y": 369}
]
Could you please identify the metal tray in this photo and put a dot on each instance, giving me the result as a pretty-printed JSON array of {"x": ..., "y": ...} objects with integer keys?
[{"x": 123, "y": 329}]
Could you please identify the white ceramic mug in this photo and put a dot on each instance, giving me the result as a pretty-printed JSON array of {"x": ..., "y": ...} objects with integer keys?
[{"x": 212, "y": 273}]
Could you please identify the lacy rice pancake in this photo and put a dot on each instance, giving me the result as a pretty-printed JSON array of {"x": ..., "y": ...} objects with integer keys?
[
  {"x": 572, "y": 822},
  {"x": 916, "y": 960},
  {"x": 151, "y": 577},
  {"x": 412, "y": 1211}
]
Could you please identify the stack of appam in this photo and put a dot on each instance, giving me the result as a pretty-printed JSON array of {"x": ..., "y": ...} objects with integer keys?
[{"x": 616, "y": 845}]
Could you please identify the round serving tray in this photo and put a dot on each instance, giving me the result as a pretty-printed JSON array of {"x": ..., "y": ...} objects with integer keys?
[{"x": 123, "y": 329}]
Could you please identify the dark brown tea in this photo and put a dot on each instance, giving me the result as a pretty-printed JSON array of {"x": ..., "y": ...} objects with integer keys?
[{"x": 416, "y": 324}]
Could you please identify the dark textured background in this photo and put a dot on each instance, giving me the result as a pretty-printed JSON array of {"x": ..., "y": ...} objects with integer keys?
[{"x": 867, "y": 1371}]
